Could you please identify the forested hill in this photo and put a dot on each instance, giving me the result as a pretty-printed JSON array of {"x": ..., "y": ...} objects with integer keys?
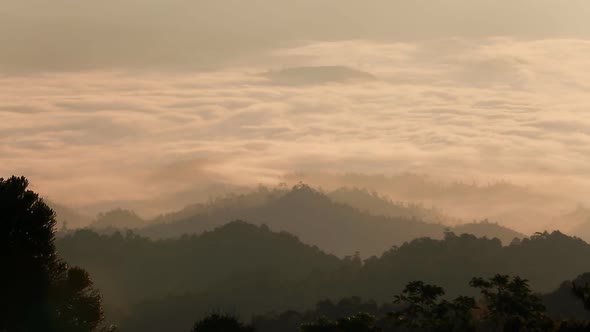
[
  {"x": 336, "y": 228},
  {"x": 317, "y": 219},
  {"x": 490, "y": 230},
  {"x": 250, "y": 269},
  {"x": 377, "y": 204},
  {"x": 129, "y": 268}
]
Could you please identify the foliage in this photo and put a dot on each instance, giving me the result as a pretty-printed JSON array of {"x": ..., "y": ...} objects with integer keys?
[
  {"x": 424, "y": 310},
  {"x": 511, "y": 305},
  {"x": 507, "y": 305},
  {"x": 39, "y": 291}
]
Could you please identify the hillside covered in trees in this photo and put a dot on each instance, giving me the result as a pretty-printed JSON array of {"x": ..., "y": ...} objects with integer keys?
[
  {"x": 340, "y": 222},
  {"x": 251, "y": 269}
]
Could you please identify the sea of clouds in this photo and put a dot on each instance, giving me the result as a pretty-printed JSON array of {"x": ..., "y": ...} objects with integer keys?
[{"x": 456, "y": 108}]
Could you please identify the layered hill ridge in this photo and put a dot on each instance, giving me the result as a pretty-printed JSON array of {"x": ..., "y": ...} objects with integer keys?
[
  {"x": 322, "y": 219},
  {"x": 374, "y": 203},
  {"x": 313, "y": 217},
  {"x": 129, "y": 268},
  {"x": 254, "y": 269}
]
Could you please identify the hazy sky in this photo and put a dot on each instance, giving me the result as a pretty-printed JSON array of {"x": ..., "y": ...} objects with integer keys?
[{"x": 131, "y": 100}]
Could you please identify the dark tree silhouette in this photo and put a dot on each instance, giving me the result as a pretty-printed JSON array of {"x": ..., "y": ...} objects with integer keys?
[
  {"x": 424, "y": 310},
  {"x": 39, "y": 292},
  {"x": 221, "y": 323},
  {"x": 511, "y": 305}
]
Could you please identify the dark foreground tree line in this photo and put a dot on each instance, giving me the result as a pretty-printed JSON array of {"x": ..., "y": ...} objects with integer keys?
[
  {"x": 41, "y": 292},
  {"x": 504, "y": 304}
]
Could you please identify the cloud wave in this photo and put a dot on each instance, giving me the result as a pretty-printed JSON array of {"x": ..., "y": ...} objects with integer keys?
[{"x": 481, "y": 108}]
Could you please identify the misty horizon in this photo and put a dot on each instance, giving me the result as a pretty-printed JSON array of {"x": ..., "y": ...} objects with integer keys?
[
  {"x": 143, "y": 103},
  {"x": 294, "y": 166}
]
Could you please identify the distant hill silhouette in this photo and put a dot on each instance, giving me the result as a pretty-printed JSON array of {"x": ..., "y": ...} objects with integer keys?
[
  {"x": 68, "y": 217},
  {"x": 371, "y": 225},
  {"x": 524, "y": 208},
  {"x": 118, "y": 218},
  {"x": 313, "y": 217},
  {"x": 376, "y": 204},
  {"x": 490, "y": 230},
  {"x": 251, "y": 199}
]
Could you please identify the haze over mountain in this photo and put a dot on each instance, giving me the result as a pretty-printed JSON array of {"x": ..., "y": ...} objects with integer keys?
[
  {"x": 313, "y": 217},
  {"x": 68, "y": 217},
  {"x": 164, "y": 104},
  {"x": 374, "y": 203},
  {"x": 417, "y": 196},
  {"x": 523, "y": 208},
  {"x": 118, "y": 218},
  {"x": 340, "y": 222}
]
